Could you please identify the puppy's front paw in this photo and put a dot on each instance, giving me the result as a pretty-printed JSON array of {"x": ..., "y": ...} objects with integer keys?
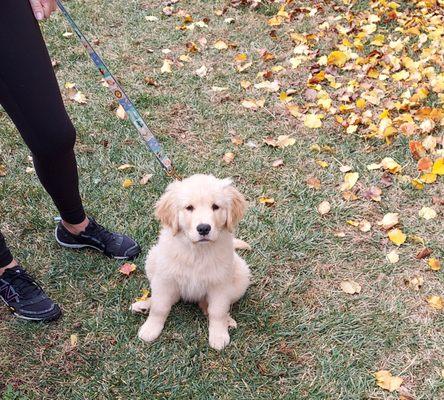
[
  {"x": 218, "y": 340},
  {"x": 231, "y": 322},
  {"x": 141, "y": 307},
  {"x": 149, "y": 332}
]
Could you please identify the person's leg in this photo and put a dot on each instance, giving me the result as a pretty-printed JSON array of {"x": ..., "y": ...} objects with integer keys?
[
  {"x": 30, "y": 94},
  {"x": 6, "y": 259}
]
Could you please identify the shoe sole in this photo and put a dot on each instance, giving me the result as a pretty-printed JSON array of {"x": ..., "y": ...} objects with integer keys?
[
  {"x": 83, "y": 246},
  {"x": 22, "y": 317}
]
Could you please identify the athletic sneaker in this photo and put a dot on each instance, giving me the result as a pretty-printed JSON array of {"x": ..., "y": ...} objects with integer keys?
[
  {"x": 114, "y": 245},
  {"x": 25, "y": 298}
]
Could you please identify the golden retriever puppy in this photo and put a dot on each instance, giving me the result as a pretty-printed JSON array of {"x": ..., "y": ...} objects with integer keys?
[{"x": 194, "y": 258}]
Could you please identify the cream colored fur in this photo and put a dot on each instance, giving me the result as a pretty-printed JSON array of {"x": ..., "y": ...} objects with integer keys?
[{"x": 186, "y": 265}]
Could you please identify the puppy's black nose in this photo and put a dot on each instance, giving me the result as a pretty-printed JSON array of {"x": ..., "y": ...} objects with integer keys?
[{"x": 203, "y": 229}]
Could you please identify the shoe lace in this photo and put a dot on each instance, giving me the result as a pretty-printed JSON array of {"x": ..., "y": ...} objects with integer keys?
[
  {"x": 24, "y": 284},
  {"x": 103, "y": 234}
]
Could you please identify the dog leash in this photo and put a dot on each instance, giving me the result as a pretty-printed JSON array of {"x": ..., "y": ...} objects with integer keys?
[{"x": 150, "y": 140}]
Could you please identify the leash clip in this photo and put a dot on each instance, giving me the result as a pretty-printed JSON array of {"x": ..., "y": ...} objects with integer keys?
[{"x": 172, "y": 173}]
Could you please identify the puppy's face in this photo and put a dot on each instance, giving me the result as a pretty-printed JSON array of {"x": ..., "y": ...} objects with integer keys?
[{"x": 201, "y": 206}]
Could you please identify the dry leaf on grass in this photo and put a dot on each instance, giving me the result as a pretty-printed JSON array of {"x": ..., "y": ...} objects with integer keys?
[
  {"x": 387, "y": 381},
  {"x": 436, "y": 302},
  {"x": 127, "y": 268},
  {"x": 324, "y": 207},
  {"x": 350, "y": 287}
]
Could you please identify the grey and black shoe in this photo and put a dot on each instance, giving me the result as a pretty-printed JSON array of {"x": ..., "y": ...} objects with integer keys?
[
  {"x": 95, "y": 236},
  {"x": 25, "y": 298}
]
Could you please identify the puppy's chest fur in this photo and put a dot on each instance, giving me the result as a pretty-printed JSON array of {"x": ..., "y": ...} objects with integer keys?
[{"x": 201, "y": 273}]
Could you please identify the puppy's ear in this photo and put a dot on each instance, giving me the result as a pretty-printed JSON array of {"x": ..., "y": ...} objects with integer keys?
[
  {"x": 166, "y": 209},
  {"x": 237, "y": 207}
]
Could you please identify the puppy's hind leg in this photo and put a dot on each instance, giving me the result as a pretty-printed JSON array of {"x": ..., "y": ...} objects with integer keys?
[{"x": 141, "y": 307}]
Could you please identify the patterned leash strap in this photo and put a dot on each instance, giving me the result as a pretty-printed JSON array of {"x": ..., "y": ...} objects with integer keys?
[{"x": 114, "y": 86}]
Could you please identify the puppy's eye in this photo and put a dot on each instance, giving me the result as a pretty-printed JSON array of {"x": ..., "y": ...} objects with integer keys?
[
  {"x": 189, "y": 208},
  {"x": 215, "y": 207}
]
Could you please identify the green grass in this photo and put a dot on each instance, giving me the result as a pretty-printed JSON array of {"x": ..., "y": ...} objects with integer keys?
[{"x": 299, "y": 336}]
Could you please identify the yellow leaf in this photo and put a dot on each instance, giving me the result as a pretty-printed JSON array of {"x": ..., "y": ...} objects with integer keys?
[
  {"x": 275, "y": 21},
  {"x": 241, "y": 57},
  {"x": 144, "y": 296},
  {"x": 436, "y": 302},
  {"x": 391, "y": 165},
  {"x": 338, "y": 58},
  {"x": 127, "y": 183},
  {"x": 396, "y": 236},
  {"x": 350, "y": 287},
  {"x": 389, "y": 220},
  {"x": 401, "y": 75},
  {"x": 284, "y": 97},
  {"x": 438, "y": 166},
  {"x": 312, "y": 121},
  {"x": 387, "y": 381},
  {"x": 428, "y": 178},
  {"x": 324, "y": 207},
  {"x": 353, "y": 223},
  {"x": 417, "y": 184},
  {"x": 427, "y": 213},
  {"x": 322, "y": 164},
  {"x": 434, "y": 264},
  {"x": 360, "y": 103},
  {"x": 268, "y": 201},
  {"x": 350, "y": 180},
  {"x": 220, "y": 45}
]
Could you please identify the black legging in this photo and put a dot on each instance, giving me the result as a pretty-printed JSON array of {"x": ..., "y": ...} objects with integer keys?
[{"x": 30, "y": 95}]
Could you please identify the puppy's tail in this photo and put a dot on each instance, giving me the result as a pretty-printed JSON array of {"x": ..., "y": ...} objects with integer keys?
[{"x": 240, "y": 244}]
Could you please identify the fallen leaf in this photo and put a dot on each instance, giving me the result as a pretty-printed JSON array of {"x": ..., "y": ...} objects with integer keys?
[
  {"x": 427, "y": 213},
  {"x": 2, "y": 170},
  {"x": 387, "y": 381},
  {"x": 397, "y": 236},
  {"x": 166, "y": 67},
  {"x": 127, "y": 269},
  {"x": 350, "y": 287},
  {"x": 312, "y": 121},
  {"x": 424, "y": 164},
  {"x": 423, "y": 253},
  {"x": 438, "y": 166},
  {"x": 324, "y": 207},
  {"x": 436, "y": 302},
  {"x": 268, "y": 201},
  {"x": 127, "y": 183},
  {"x": 374, "y": 193},
  {"x": 145, "y": 294},
  {"x": 123, "y": 167},
  {"x": 389, "y": 220},
  {"x": 391, "y": 165},
  {"x": 393, "y": 257},
  {"x": 314, "y": 183},
  {"x": 74, "y": 339},
  {"x": 151, "y": 18},
  {"x": 322, "y": 163},
  {"x": 277, "y": 163},
  {"x": 364, "y": 225},
  {"x": 145, "y": 179},
  {"x": 434, "y": 264},
  {"x": 220, "y": 45},
  {"x": 202, "y": 71},
  {"x": 345, "y": 168},
  {"x": 337, "y": 58},
  {"x": 228, "y": 158},
  {"x": 253, "y": 104},
  {"x": 350, "y": 180}
]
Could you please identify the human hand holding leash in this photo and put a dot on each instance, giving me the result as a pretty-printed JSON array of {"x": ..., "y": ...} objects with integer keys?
[{"x": 43, "y": 8}]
